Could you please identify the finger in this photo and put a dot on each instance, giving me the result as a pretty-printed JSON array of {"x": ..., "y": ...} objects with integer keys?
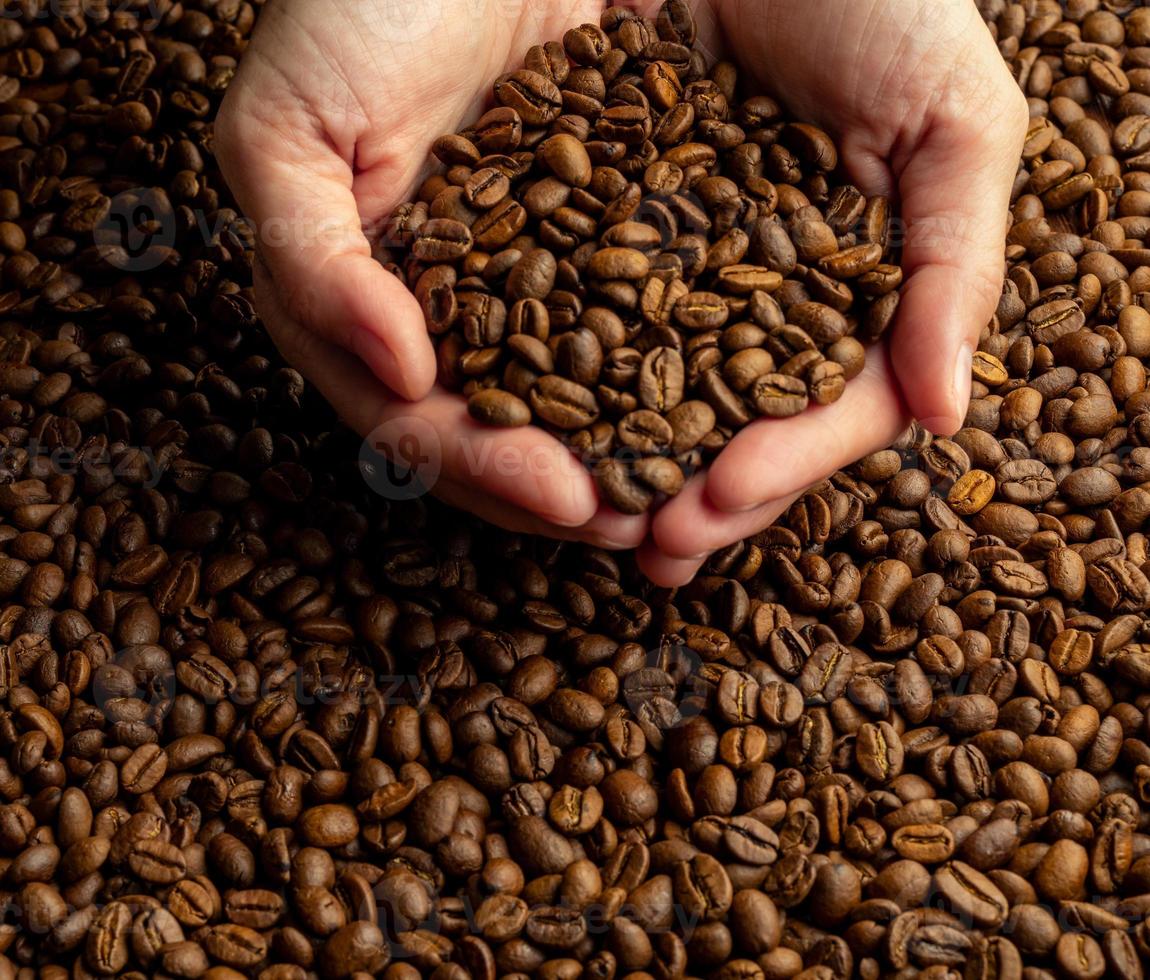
[
  {"x": 607, "y": 530},
  {"x": 955, "y": 195},
  {"x": 867, "y": 168},
  {"x": 614, "y": 531},
  {"x": 690, "y": 527},
  {"x": 669, "y": 573},
  {"x": 298, "y": 190},
  {"x": 525, "y": 467},
  {"x": 772, "y": 458}
]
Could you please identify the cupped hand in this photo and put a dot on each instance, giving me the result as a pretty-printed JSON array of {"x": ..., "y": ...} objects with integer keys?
[
  {"x": 924, "y": 110},
  {"x": 326, "y": 129},
  {"x": 324, "y": 132}
]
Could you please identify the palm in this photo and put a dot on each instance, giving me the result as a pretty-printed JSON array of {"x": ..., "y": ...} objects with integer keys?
[
  {"x": 869, "y": 66},
  {"x": 407, "y": 72}
]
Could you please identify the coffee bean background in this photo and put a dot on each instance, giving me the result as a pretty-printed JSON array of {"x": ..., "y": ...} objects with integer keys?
[
  {"x": 626, "y": 253},
  {"x": 257, "y": 721}
]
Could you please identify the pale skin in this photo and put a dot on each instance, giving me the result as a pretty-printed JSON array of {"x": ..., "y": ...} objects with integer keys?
[{"x": 327, "y": 128}]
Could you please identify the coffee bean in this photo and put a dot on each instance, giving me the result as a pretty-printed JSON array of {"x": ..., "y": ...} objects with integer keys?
[
  {"x": 1027, "y": 482},
  {"x": 235, "y": 946},
  {"x": 927, "y": 843},
  {"x": 618, "y": 263},
  {"x": 194, "y": 901},
  {"x": 567, "y": 159},
  {"x": 970, "y": 894},
  {"x": 563, "y": 403},
  {"x": 485, "y": 188},
  {"x": 1079, "y": 955},
  {"x": 442, "y": 240},
  {"x": 745, "y": 367},
  {"x": 620, "y": 489},
  {"x": 661, "y": 380},
  {"x": 534, "y": 97},
  {"x": 702, "y": 888},
  {"x": 330, "y": 825},
  {"x": 879, "y": 751},
  {"x": 989, "y": 370},
  {"x": 532, "y": 278},
  {"x": 556, "y": 926},
  {"x": 498, "y": 408},
  {"x": 750, "y": 841},
  {"x": 1089, "y": 487},
  {"x": 745, "y": 279},
  {"x": 971, "y": 492},
  {"x": 645, "y": 431},
  {"x": 106, "y": 948},
  {"x": 701, "y": 311},
  {"x": 778, "y": 396},
  {"x": 157, "y": 861},
  {"x": 257, "y": 908}
]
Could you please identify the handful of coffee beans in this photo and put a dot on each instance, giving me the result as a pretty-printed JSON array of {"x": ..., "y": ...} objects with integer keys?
[{"x": 622, "y": 252}]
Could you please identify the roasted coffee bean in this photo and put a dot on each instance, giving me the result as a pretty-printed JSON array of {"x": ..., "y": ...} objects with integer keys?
[
  {"x": 498, "y": 408},
  {"x": 661, "y": 380},
  {"x": 487, "y": 187},
  {"x": 533, "y": 97},
  {"x": 442, "y": 240},
  {"x": 618, "y": 263},
  {"x": 157, "y": 861},
  {"x": 750, "y": 841},
  {"x": 971, "y": 895},
  {"x": 563, "y": 403},
  {"x": 702, "y": 887},
  {"x": 645, "y": 431},
  {"x": 879, "y": 751},
  {"x": 620, "y": 488},
  {"x": 778, "y": 396},
  {"x": 235, "y": 946},
  {"x": 971, "y": 492}
]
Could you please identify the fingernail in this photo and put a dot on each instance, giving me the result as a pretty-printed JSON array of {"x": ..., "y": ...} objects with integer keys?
[
  {"x": 687, "y": 559},
  {"x": 561, "y": 520},
  {"x": 610, "y": 544},
  {"x": 962, "y": 367}
]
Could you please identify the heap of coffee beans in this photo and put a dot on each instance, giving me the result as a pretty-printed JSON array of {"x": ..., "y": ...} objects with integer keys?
[
  {"x": 624, "y": 254},
  {"x": 258, "y": 722}
]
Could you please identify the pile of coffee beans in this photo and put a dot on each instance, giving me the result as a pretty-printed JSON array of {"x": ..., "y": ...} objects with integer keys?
[
  {"x": 622, "y": 253},
  {"x": 257, "y": 721}
]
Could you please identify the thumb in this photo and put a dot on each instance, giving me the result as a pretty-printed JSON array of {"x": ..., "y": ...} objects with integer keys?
[
  {"x": 955, "y": 196},
  {"x": 299, "y": 192}
]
